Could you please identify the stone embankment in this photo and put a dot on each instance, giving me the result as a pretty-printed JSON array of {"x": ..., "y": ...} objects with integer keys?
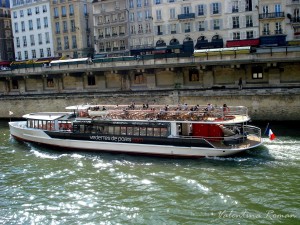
[{"x": 280, "y": 104}]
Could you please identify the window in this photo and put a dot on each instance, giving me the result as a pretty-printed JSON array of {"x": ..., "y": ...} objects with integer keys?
[
  {"x": 146, "y": 2},
  {"x": 131, "y": 6},
  {"x": 201, "y": 26},
  {"x": 71, "y": 10},
  {"x": 138, "y": 3},
  {"x": 15, "y": 14},
  {"x": 235, "y": 22},
  {"x": 16, "y": 27},
  {"x": 57, "y": 27},
  {"x": 250, "y": 34},
  {"x": 187, "y": 27},
  {"x": 215, "y": 8},
  {"x": 47, "y": 35},
  {"x": 32, "y": 41},
  {"x": 157, "y": 2},
  {"x": 132, "y": 29},
  {"x": 21, "y": 13},
  {"x": 33, "y": 53},
  {"x": 44, "y": 8},
  {"x": 72, "y": 25},
  {"x": 37, "y": 10},
  {"x": 66, "y": 42},
  {"x": 236, "y": 36},
  {"x": 158, "y": 14},
  {"x": 24, "y": 41},
  {"x": 173, "y": 29},
  {"x": 278, "y": 29},
  {"x": 216, "y": 24},
  {"x": 23, "y": 26},
  {"x": 25, "y": 54},
  {"x": 41, "y": 53},
  {"x": 147, "y": 14},
  {"x": 257, "y": 72},
  {"x": 19, "y": 55},
  {"x": 45, "y": 22},
  {"x": 85, "y": 10},
  {"x": 91, "y": 80},
  {"x": 200, "y": 10},
  {"x": 63, "y": 11},
  {"x": 30, "y": 24},
  {"x": 159, "y": 30},
  {"x": 29, "y": 13},
  {"x": 40, "y": 38},
  {"x": 48, "y": 52},
  {"x": 74, "y": 41},
  {"x": 18, "y": 42},
  {"x": 15, "y": 83},
  {"x": 55, "y": 12},
  {"x": 65, "y": 26},
  {"x": 186, "y": 9},
  {"x": 248, "y": 6},
  {"x": 58, "y": 42},
  {"x": 50, "y": 82},
  {"x": 235, "y": 6},
  {"x": 266, "y": 29},
  {"x": 139, "y": 16},
  {"x": 249, "y": 21},
  {"x": 172, "y": 13},
  {"x": 38, "y": 23},
  {"x": 131, "y": 17},
  {"x": 265, "y": 9}
]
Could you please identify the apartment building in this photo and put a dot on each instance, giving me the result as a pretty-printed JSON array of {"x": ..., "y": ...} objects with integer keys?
[
  {"x": 293, "y": 21},
  {"x": 32, "y": 29},
  {"x": 111, "y": 27},
  {"x": 272, "y": 22},
  {"x": 6, "y": 38},
  {"x": 72, "y": 28}
]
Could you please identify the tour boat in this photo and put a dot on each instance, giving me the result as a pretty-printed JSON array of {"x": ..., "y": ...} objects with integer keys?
[{"x": 160, "y": 130}]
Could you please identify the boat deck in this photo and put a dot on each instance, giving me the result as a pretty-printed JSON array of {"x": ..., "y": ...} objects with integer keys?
[{"x": 249, "y": 143}]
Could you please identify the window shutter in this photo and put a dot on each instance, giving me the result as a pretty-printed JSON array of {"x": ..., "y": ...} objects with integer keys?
[
  {"x": 205, "y": 9},
  {"x": 243, "y": 21},
  {"x": 243, "y": 35},
  {"x": 211, "y": 24},
  {"x": 206, "y": 25},
  {"x": 230, "y": 22},
  {"x": 221, "y": 24},
  {"x": 211, "y": 8},
  {"x": 231, "y": 36},
  {"x": 220, "y": 8}
]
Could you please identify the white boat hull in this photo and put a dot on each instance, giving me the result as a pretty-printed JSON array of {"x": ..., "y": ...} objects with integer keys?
[{"x": 19, "y": 131}]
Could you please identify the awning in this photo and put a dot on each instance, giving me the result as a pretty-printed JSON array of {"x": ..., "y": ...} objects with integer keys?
[
  {"x": 174, "y": 47},
  {"x": 46, "y": 60},
  {"x": 5, "y": 63},
  {"x": 240, "y": 43}
]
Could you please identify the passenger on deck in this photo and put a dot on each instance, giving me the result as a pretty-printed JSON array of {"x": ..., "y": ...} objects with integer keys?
[{"x": 225, "y": 109}]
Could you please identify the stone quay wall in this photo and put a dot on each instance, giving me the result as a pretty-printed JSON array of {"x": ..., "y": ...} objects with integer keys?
[{"x": 263, "y": 104}]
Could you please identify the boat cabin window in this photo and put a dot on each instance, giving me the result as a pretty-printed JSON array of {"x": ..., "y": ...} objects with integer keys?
[
  {"x": 40, "y": 124},
  {"x": 115, "y": 129}
]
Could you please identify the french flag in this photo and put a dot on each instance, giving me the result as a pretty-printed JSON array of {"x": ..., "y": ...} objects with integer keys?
[{"x": 270, "y": 133}]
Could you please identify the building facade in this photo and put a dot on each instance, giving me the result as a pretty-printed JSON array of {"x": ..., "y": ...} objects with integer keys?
[
  {"x": 6, "y": 37},
  {"x": 72, "y": 33},
  {"x": 32, "y": 29}
]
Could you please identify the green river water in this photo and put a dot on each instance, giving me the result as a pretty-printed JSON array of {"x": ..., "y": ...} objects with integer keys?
[{"x": 44, "y": 186}]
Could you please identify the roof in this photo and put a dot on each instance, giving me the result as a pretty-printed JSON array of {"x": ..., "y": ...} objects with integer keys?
[{"x": 46, "y": 115}]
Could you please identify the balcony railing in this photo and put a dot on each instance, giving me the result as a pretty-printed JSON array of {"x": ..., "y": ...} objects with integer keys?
[
  {"x": 187, "y": 30},
  {"x": 186, "y": 16},
  {"x": 295, "y": 20},
  {"x": 173, "y": 31},
  {"x": 279, "y": 31},
  {"x": 249, "y": 24},
  {"x": 159, "y": 33},
  {"x": 266, "y": 32},
  {"x": 271, "y": 15}
]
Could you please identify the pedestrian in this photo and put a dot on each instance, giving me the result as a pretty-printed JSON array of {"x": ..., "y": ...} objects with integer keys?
[{"x": 240, "y": 83}]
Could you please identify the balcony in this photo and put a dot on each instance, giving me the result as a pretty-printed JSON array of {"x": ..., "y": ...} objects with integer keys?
[
  {"x": 186, "y": 16},
  {"x": 271, "y": 15},
  {"x": 201, "y": 29},
  {"x": 159, "y": 33},
  {"x": 173, "y": 31}
]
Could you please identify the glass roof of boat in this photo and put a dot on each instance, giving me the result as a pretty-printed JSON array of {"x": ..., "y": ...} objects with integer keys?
[{"x": 46, "y": 115}]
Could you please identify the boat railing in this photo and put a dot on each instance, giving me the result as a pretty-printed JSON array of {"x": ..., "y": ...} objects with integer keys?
[{"x": 167, "y": 112}]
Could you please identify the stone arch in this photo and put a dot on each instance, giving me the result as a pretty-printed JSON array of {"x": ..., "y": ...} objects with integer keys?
[
  {"x": 160, "y": 43},
  {"x": 187, "y": 39},
  {"x": 174, "y": 41}
]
